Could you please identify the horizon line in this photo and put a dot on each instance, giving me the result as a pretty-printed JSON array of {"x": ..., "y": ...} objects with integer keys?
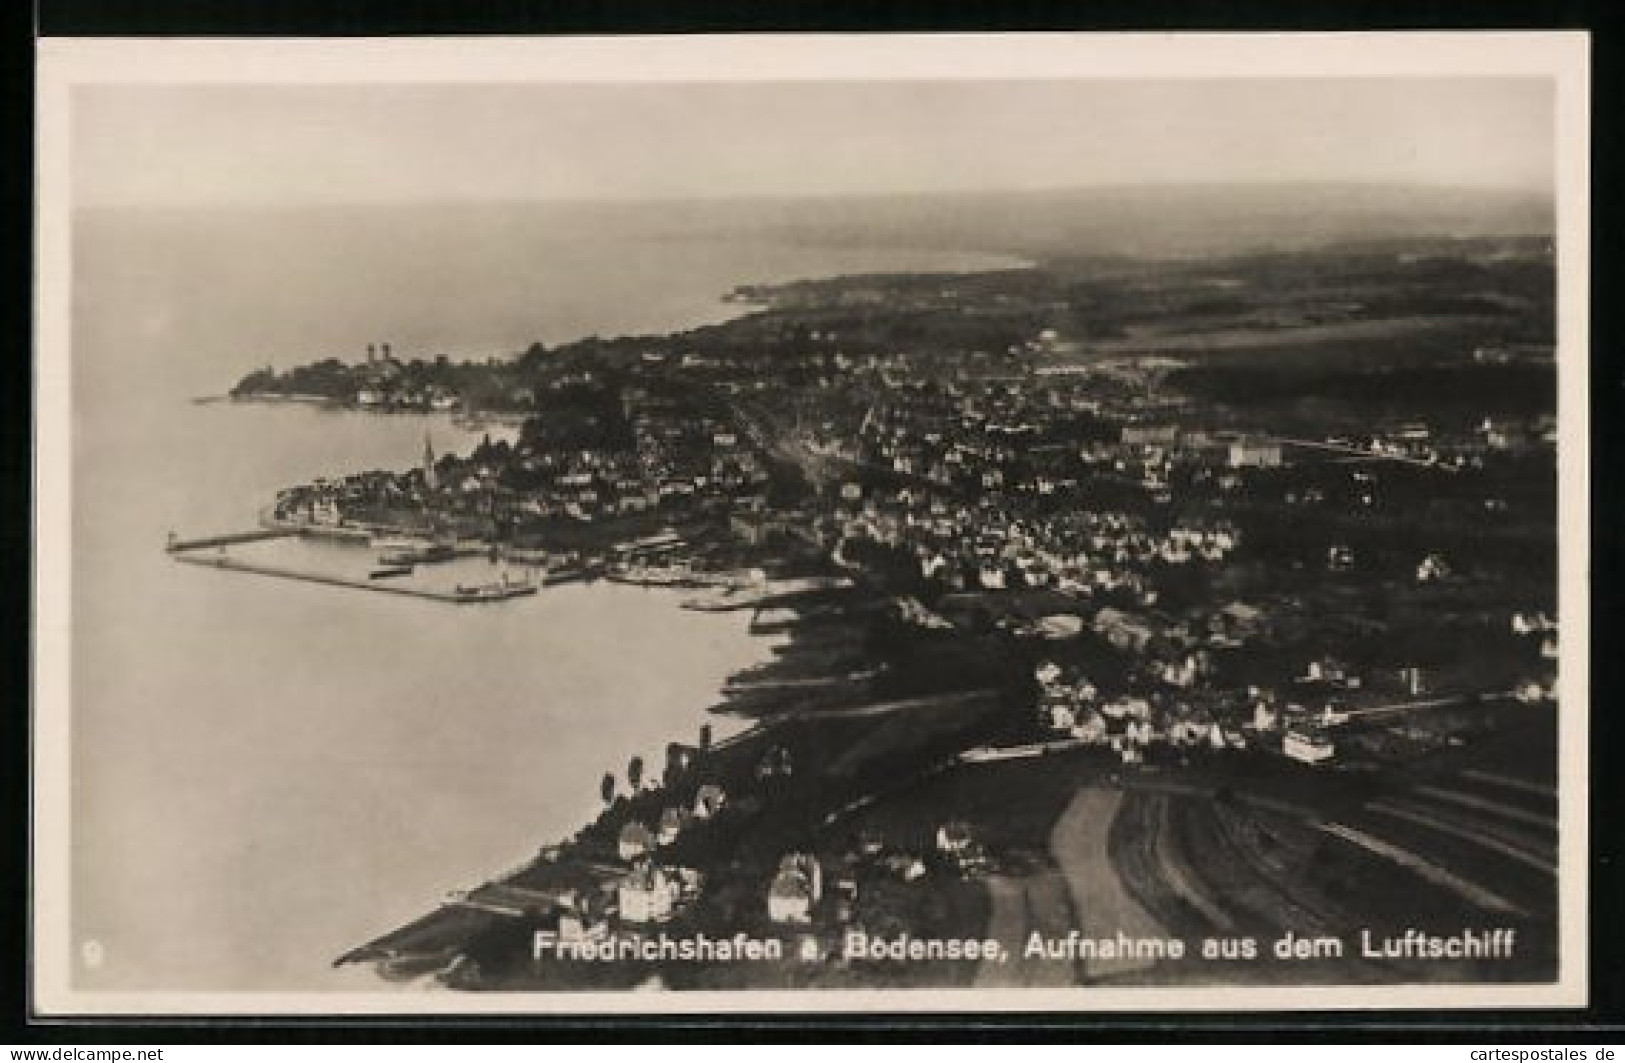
[{"x": 1547, "y": 195}]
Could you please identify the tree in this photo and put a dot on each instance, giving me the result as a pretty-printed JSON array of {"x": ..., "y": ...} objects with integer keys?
[
  {"x": 606, "y": 789},
  {"x": 634, "y": 773},
  {"x": 705, "y": 737},
  {"x": 533, "y": 357},
  {"x": 674, "y": 764}
]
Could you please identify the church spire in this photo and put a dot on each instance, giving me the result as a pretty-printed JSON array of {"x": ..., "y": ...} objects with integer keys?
[{"x": 429, "y": 477}]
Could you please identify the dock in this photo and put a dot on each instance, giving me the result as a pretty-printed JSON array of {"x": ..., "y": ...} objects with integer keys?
[
  {"x": 233, "y": 564},
  {"x": 253, "y": 535}
]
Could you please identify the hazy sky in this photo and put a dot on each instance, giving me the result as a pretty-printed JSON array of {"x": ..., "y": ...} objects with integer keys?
[{"x": 319, "y": 144}]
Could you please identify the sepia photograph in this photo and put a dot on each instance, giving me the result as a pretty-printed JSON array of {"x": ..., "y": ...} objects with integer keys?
[{"x": 1063, "y": 522}]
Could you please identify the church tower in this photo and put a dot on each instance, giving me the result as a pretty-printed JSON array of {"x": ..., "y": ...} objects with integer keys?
[{"x": 429, "y": 477}]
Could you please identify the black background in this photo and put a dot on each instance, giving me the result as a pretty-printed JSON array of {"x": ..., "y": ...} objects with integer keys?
[{"x": 241, "y": 18}]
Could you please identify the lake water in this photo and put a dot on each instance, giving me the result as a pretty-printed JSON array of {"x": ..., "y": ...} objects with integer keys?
[{"x": 266, "y": 773}]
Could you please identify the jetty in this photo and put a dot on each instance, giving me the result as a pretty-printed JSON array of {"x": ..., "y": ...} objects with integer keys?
[
  {"x": 178, "y": 545},
  {"x": 462, "y": 596},
  {"x": 210, "y": 552}
]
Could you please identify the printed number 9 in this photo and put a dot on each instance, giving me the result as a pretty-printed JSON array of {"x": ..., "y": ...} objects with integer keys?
[{"x": 93, "y": 953}]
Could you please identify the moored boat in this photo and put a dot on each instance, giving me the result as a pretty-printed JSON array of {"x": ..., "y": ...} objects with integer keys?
[
  {"x": 496, "y": 591},
  {"x": 424, "y": 555}
]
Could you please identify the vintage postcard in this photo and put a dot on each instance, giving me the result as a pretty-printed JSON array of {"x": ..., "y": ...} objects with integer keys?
[{"x": 1055, "y": 522}]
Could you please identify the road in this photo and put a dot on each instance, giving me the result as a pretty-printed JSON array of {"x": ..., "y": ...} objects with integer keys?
[
  {"x": 1104, "y": 907},
  {"x": 1361, "y": 452},
  {"x": 1020, "y": 906}
]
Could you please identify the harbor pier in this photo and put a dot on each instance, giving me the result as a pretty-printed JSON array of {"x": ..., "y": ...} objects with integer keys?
[
  {"x": 177, "y": 545},
  {"x": 234, "y": 564},
  {"x": 210, "y": 552}
]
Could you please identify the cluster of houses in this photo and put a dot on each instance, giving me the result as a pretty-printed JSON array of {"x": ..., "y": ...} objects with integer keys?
[
  {"x": 799, "y": 892},
  {"x": 986, "y": 543},
  {"x": 797, "y": 888},
  {"x": 679, "y": 454},
  {"x": 654, "y": 891},
  {"x": 383, "y": 397},
  {"x": 1540, "y": 630},
  {"x": 1503, "y": 434},
  {"x": 384, "y": 382},
  {"x": 970, "y": 452},
  {"x": 953, "y": 428},
  {"x": 957, "y": 844},
  {"x": 331, "y": 503},
  {"x": 1039, "y": 435},
  {"x": 1419, "y": 441},
  {"x": 998, "y": 431},
  {"x": 1131, "y": 724},
  {"x": 638, "y": 840},
  {"x": 1181, "y": 703},
  {"x": 1178, "y": 652},
  {"x": 676, "y": 462}
]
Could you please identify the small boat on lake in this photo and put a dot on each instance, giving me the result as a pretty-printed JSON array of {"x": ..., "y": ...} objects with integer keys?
[
  {"x": 385, "y": 541},
  {"x": 496, "y": 591},
  {"x": 564, "y": 574},
  {"x": 423, "y": 555}
]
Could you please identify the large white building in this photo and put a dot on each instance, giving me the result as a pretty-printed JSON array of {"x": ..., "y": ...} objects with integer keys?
[
  {"x": 648, "y": 895},
  {"x": 1310, "y": 747},
  {"x": 1254, "y": 454},
  {"x": 795, "y": 889}
]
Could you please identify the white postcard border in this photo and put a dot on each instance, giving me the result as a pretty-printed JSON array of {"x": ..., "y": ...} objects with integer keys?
[{"x": 64, "y": 63}]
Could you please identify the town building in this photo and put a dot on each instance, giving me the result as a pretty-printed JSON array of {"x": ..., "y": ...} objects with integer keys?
[
  {"x": 1150, "y": 435},
  {"x": 795, "y": 889},
  {"x": 672, "y": 822},
  {"x": 709, "y": 800},
  {"x": 636, "y": 841},
  {"x": 1254, "y": 454},
  {"x": 648, "y": 895},
  {"x": 1123, "y": 630},
  {"x": 1308, "y": 746}
]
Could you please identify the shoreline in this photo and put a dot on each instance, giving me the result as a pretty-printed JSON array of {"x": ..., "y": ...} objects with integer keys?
[
  {"x": 430, "y": 943},
  {"x": 742, "y": 300},
  {"x": 930, "y": 696},
  {"x": 408, "y": 949},
  {"x": 505, "y": 418}
]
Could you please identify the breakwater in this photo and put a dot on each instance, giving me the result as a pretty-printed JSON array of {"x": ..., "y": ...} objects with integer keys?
[
  {"x": 255, "y": 535},
  {"x": 496, "y": 593}
]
